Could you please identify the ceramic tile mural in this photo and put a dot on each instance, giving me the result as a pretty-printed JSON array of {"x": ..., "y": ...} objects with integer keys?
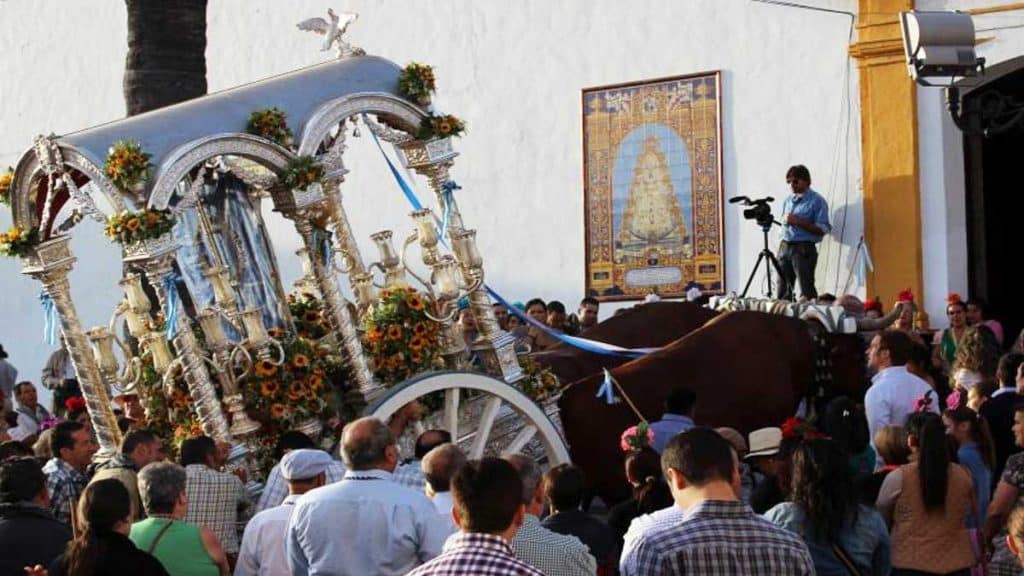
[{"x": 653, "y": 188}]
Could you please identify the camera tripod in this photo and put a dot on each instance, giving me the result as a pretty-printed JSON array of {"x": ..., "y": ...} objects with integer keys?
[{"x": 769, "y": 260}]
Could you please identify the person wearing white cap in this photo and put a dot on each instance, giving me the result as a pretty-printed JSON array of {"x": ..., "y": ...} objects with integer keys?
[
  {"x": 263, "y": 549},
  {"x": 764, "y": 444}
]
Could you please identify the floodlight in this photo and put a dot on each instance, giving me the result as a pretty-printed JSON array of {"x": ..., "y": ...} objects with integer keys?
[{"x": 939, "y": 45}]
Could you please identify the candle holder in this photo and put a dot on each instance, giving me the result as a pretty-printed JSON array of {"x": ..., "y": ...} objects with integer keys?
[
  {"x": 103, "y": 341},
  {"x": 366, "y": 294},
  {"x": 390, "y": 264},
  {"x": 223, "y": 293},
  {"x": 156, "y": 344},
  {"x": 137, "y": 299},
  {"x": 232, "y": 362}
]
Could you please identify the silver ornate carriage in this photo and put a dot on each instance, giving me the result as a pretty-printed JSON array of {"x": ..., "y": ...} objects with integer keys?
[{"x": 224, "y": 326}]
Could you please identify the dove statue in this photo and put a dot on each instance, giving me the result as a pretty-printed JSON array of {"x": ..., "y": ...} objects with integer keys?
[{"x": 333, "y": 32}]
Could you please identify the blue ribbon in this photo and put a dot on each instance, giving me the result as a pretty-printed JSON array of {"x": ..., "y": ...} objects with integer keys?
[
  {"x": 49, "y": 319},
  {"x": 607, "y": 389},
  {"x": 446, "y": 195},
  {"x": 581, "y": 343},
  {"x": 171, "y": 292},
  {"x": 409, "y": 194},
  {"x": 323, "y": 239}
]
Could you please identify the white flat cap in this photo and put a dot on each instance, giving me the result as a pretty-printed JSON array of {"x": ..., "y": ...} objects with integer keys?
[{"x": 304, "y": 464}]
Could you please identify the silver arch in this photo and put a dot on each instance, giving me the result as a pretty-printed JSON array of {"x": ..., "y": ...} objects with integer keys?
[
  {"x": 28, "y": 171},
  {"x": 180, "y": 161},
  {"x": 330, "y": 114}
]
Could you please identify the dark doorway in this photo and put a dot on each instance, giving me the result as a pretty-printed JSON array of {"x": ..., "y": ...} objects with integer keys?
[{"x": 995, "y": 203}]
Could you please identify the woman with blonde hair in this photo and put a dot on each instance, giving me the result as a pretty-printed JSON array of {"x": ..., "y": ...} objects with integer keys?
[{"x": 976, "y": 358}]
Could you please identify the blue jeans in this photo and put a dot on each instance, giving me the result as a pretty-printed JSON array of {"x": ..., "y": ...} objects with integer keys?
[{"x": 798, "y": 261}]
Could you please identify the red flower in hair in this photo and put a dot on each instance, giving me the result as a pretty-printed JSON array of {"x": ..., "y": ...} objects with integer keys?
[
  {"x": 75, "y": 404},
  {"x": 799, "y": 428},
  {"x": 905, "y": 296},
  {"x": 872, "y": 304},
  {"x": 953, "y": 298}
]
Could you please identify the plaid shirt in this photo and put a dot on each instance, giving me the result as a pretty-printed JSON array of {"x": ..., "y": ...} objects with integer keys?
[
  {"x": 276, "y": 489},
  {"x": 466, "y": 554},
  {"x": 65, "y": 485},
  {"x": 552, "y": 553},
  {"x": 713, "y": 538},
  {"x": 218, "y": 501},
  {"x": 411, "y": 474}
]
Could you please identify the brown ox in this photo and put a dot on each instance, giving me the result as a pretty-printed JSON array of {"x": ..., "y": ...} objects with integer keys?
[
  {"x": 749, "y": 370},
  {"x": 647, "y": 326}
]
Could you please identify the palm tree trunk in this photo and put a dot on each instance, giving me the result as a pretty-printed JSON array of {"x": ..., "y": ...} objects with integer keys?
[{"x": 166, "y": 60}]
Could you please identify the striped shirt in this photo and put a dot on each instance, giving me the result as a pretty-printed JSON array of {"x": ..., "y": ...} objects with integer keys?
[
  {"x": 476, "y": 554},
  {"x": 713, "y": 538},
  {"x": 65, "y": 484},
  {"x": 218, "y": 501}
]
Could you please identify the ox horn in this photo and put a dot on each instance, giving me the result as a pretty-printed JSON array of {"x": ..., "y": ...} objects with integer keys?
[{"x": 876, "y": 324}]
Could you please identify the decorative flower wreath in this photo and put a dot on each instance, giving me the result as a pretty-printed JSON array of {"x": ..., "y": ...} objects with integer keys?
[
  {"x": 302, "y": 172},
  {"x": 129, "y": 227},
  {"x": 540, "y": 384},
  {"x": 636, "y": 438},
  {"x": 270, "y": 123},
  {"x": 905, "y": 296},
  {"x": 6, "y": 180},
  {"x": 799, "y": 428},
  {"x": 126, "y": 164},
  {"x": 953, "y": 298},
  {"x": 401, "y": 339},
  {"x": 440, "y": 127},
  {"x": 74, "y": 404},
  {"x": 307, "y": 316},
  {"x": 289, "y": 394},
  {"x": 18, "y": 242},
  {"x": 416, "y": 83}
]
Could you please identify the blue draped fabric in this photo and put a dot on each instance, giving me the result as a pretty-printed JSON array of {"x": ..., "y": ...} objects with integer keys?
[{"x": 242, "y": 241}]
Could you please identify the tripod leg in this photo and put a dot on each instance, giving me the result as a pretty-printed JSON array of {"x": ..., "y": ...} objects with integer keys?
[
  {"x": 753, "y": 273},
  {"x": 778, "y": 269}
]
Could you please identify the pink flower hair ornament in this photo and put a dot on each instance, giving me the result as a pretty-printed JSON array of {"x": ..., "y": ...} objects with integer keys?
[
  {"x": 956, "y": 400},
  {"x": 636, "y": 438},
  {"x": 924, "y": 402}
]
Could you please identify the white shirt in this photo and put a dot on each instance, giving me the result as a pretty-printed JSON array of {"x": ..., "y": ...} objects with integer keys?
[
  {"x": 891, "y": 398},
  {"x": 365, "y": 524},
  {"x": 444, "y": 503},
  {"x": 263, "y": 552}
]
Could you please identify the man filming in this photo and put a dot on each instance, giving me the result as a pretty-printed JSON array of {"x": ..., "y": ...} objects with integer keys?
[{"x": 805, "y": 223}]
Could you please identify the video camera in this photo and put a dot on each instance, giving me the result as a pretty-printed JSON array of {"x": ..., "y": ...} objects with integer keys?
[{"x": 759, "y": 209}]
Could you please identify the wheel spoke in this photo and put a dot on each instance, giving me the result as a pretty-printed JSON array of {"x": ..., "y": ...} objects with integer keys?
[
  {"x": 483, "y": 431},
  {"x": 451, "y": 412},
  {"x": 521, "y": 439},
  {"x": 419, "y": 428}
]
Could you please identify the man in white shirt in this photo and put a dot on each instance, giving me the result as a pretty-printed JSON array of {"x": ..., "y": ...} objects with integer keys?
[
  {"x": 894, "y": 391},
  {"x": 263, "y": 551},
  {"x": 439, "y": 467},
  {"x": 367, "y": 523}
]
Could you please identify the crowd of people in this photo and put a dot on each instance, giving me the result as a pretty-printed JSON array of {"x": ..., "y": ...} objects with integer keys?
[{"x": 926, "y": 476}]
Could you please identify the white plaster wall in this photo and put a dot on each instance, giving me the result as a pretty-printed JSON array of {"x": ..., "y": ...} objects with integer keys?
[
  {"x": 514, "y": 72},
  {"x": 943, "y": 209}
]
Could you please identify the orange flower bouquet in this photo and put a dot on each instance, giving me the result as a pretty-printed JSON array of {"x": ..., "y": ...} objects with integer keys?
[
  {"x": 440, "y": 127},
  {"x": 126, "y": 164},
  {"x": 416, "y": 82},
  {"x": 6, "y": 180},
  {"x": 129, "y": 227},
  {"x": 17, "y": 241},
  {"x": 401, "y": 339},
  {"x": 270, "y": 123}
]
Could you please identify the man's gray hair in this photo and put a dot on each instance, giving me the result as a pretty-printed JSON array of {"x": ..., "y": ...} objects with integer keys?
[
  {"x": 366, "y": 448},
  {"x": 160, "y": 485},
  {"x": 529, "y": 472},
  {"x": 440, "y": 465}
]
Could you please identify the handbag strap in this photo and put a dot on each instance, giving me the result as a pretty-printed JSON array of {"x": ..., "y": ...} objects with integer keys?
[
  {"x": 159, "y": 535},
  {"x": 844, "y": 558}
]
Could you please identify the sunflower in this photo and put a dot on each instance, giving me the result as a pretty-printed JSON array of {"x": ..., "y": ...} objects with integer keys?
[
  {"x": 277, "y": 410},
  {"x": 315, "y": 382},
  {"x": 265, "y": 368},
  {"x": 375, "y": 334},
  {"x": 417, "y": 343},
  {"x": 300, "y": 361},
  {"x": 444, "y": 128},
  {"x": 269, "y": 388},
  {"x": 415, "y": 357},
  {"x": 395, "y": 360},
  {"x": 295, "y": 394},
  {"x": 419, "y": 328},
  {"x": 394, "y": 332},
  {"x": 133, "y": 224},
  {"x": 414, "y": 302}
]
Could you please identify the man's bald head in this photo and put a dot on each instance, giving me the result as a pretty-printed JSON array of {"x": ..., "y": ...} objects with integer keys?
[
  {"x": 429, "y": 440},
  {"x": 365, "y": 445},
  {"x": 440, "y": 465}
]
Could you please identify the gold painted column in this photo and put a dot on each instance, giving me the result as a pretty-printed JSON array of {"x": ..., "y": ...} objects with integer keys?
[{"x": 889, "y": 150}]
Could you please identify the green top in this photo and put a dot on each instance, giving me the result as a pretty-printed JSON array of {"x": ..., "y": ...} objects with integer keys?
[{"x": 180, "y": 549}]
